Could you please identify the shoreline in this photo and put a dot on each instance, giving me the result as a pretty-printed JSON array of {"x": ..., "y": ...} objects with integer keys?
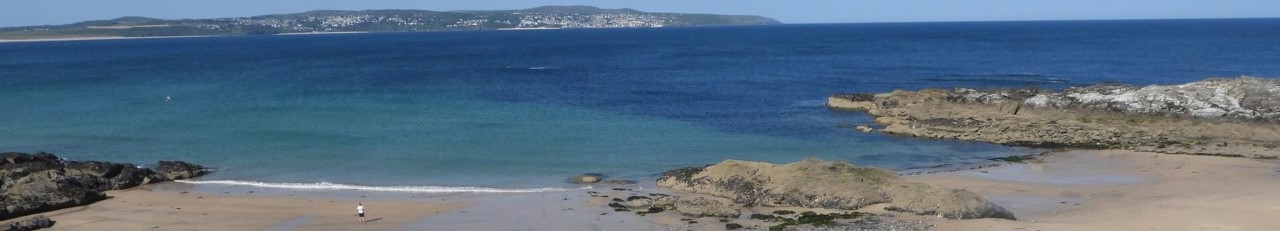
[
  {"x": 101, "y": 38},
  {"x": 153, "y": 207},
  {"x": 1089, "y": 189}
]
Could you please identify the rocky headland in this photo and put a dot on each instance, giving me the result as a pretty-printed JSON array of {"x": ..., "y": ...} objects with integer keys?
[
  {"x": 34, "y": 183},
  {"x": 1217, "y": 116}
]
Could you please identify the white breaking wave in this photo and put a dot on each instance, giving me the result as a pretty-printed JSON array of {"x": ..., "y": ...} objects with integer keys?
[{"x": 411, "y": 189}]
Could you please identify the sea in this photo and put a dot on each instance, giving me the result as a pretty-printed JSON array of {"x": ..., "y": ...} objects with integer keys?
[{"x": 522, "y": 111}]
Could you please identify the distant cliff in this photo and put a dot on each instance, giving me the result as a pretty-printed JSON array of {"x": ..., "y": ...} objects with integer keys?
[{"x": 381, "y": 21}]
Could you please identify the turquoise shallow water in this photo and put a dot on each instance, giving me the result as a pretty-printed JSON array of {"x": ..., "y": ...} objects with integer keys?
[{"x": 526, "y": 109}]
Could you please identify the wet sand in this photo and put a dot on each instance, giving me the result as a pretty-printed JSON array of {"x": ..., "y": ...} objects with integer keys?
[{"x": 1124, "y": 190}]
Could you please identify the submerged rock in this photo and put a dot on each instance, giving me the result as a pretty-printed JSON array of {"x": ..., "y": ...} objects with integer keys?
[
  {"x": 34, "y": 183},
  {"x": 863, "y": 128},
  {"x": 826, "y": 184},
  {"x": 586, "y": 178}
]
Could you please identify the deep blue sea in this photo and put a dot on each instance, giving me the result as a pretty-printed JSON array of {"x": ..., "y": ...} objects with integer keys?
[{"x": 512, "y": 110}]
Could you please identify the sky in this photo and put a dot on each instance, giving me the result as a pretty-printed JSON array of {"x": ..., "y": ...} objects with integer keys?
[{"x": 52, "y": 12}]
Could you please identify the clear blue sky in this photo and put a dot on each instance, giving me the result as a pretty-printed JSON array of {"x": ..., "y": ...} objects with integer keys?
[{"x": 44, "y": 12}]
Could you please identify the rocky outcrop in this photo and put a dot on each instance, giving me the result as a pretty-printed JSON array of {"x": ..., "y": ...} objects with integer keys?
[
  {"x": 698, "y": 206},
  {"x": 34, "y": 223},
  {"x": 1244, "y": 97},
  {"x": 34, "y": 183},
  {"x": 1233, "y": 117},
  {"x": 177, "y": 170},
  {"x": 826, "y": 184}
]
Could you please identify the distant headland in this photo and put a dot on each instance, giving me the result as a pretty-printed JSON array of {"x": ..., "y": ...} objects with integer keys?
[{"x": 335, "y": 21}]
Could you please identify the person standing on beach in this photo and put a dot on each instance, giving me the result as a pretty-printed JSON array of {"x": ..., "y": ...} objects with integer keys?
[{"x": 360, "y": 211}]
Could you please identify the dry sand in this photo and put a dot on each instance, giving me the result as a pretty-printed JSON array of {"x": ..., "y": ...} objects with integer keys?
[
  {"x": 146, "y": 209},
  {"x": 1124, "y": 190}
]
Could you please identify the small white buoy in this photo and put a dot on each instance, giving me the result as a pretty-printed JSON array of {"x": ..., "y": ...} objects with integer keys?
[{"x": 168, "y": 98}]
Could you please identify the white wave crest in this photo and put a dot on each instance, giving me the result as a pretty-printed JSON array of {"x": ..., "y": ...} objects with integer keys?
[{"x": 409, "y": 189}]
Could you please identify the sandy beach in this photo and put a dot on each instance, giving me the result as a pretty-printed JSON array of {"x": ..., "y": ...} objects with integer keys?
[
  {"x": 146, "y": 209},
  {"x": 1072, "y": 190},
  {"x": 1124, "y": 190}
]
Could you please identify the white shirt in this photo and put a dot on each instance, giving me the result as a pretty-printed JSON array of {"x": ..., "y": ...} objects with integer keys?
[{"x": 360, "y": 209}]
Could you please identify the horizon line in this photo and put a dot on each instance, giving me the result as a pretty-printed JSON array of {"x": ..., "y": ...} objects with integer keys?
[{"x": 783, "y": 22}]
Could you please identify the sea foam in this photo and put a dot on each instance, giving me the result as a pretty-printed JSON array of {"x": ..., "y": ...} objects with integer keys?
[{"x": 410, "y": 189}]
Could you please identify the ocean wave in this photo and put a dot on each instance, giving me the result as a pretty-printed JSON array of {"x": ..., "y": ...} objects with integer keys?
[
  {"x": 809, "y": 103},
  {"x": 409, "y": 189},
  {"x": 535, "y": 68}
]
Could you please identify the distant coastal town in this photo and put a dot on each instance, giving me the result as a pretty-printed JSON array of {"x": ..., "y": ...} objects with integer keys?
[{"x": 329, "y": 21}]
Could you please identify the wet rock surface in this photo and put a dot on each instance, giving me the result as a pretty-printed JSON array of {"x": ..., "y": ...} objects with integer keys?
[
  {"x": 699, "y": 214},
  {"x": 40, "y": 182},
  {"x": 826, "y": 184},
  {"x": 1227, "y": 117}
]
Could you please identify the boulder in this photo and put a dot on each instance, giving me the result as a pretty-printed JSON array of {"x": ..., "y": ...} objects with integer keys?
[
  {"x": 33, "y": 183},
  {"x": 586, "y": 178},
  {"x": 103, "y": 176},
  {"x": 177, "y": 170},
  {"x": 34, "y": 223},
  {"x": 825, "y": 184},
  {"x": 45, "y": 191},
  {"x": 638, "y": 202}
]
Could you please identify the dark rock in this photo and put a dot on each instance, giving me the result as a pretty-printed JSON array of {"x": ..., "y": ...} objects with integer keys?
[
  {"x": 784, "y": 212},
  {"x": 177, "y": 170},
  {"x": 638, "y": 202},
  {"x": 33, "y": 183},
  {"x": 680, "y": 174},
  {"x": 765, "y": 217},
  {"x": 34, "y": 223},
  {"x": 732, "y": 226},
  {"x": 655, "y": 210}
]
